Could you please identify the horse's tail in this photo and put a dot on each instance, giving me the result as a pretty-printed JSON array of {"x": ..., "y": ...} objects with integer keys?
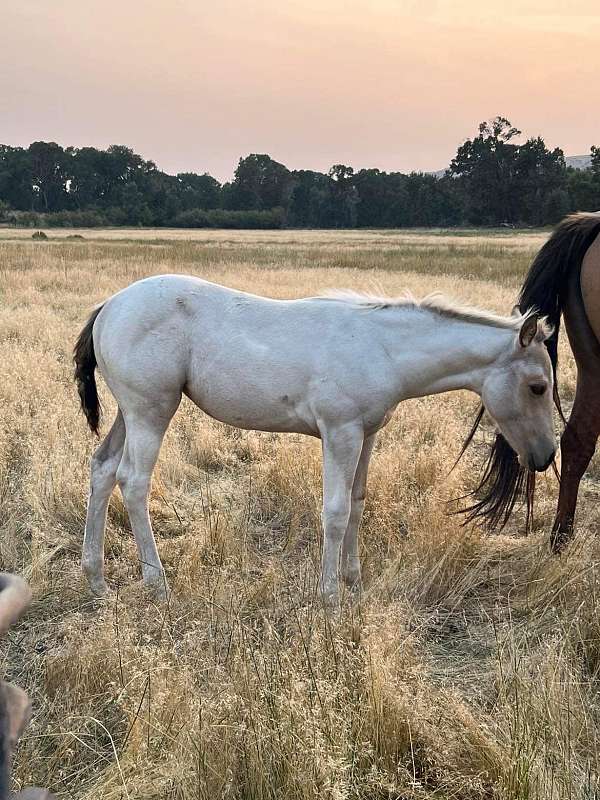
[
  {"x": 85, "y": 365},
  {"x": 504, "y": 481}
]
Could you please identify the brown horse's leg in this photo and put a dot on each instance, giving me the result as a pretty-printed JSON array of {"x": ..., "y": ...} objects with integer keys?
[{"x": 577, "y": 448}]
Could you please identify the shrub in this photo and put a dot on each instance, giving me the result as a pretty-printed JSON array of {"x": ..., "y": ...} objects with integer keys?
[{"x": 222, "y": 218}]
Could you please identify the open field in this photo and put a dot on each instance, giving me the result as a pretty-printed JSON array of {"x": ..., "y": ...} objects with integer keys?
[{"x": 469, "y": 669}]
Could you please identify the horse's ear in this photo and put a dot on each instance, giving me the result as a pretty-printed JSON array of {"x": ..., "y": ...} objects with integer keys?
[{"x": 528, "y": 330}]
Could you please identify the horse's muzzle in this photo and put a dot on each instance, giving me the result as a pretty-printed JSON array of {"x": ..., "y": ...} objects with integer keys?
[{"x": 536, "y": 466}]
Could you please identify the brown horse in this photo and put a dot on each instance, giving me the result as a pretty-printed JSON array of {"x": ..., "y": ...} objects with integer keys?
[{"x": 564, "y": 280}]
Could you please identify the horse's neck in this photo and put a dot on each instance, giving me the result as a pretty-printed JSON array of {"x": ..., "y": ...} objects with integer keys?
[{"x": 448, "y": 354}]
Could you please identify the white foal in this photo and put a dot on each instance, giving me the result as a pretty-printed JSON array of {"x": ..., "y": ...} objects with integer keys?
[{"x": 333, "y": 367}]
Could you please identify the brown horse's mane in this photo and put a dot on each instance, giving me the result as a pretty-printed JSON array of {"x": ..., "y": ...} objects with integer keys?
[{"x": 505, "y": 483}]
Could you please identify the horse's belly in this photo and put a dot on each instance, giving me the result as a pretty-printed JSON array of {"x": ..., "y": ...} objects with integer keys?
[
  {"x": 245, "y": 407},
  {"x": 590, "y": 285}
]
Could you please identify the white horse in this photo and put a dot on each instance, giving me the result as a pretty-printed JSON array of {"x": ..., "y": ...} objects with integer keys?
[{"x": 334, "y": 367}]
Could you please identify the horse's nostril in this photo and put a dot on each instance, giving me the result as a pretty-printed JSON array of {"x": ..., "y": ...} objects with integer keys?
[
  {"x": 545, "y": 466},
  {"x": 550, "y": 460}
]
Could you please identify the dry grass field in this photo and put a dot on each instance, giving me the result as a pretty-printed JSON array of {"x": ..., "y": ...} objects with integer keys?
[{"x": 469, "y": 669}]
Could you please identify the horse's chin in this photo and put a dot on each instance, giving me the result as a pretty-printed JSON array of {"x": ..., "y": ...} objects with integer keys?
[{"x": 524, "y": 463}]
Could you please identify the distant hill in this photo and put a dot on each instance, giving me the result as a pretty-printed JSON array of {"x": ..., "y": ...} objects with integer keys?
[{"x": 579, "y": 162}]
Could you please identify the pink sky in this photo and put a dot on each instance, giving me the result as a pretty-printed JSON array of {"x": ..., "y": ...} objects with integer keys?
[{"x": 194, "y": 84}]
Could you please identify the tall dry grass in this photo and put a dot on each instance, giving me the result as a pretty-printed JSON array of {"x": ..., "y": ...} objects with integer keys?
[{"x": 468, "y": 670}]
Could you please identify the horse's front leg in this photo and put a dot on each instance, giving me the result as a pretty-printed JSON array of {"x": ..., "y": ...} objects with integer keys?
[
  {"x": 350, "y": 557},
  {"x": 577, "y": 447},
  {"x": 342, "y": 446}
]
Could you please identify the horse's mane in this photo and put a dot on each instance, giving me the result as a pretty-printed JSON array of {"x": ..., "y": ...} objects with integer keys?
[{"x": 437, "y": 303}]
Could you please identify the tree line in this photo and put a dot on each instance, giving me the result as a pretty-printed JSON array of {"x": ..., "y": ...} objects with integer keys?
[{"x": 492, "y": 180}]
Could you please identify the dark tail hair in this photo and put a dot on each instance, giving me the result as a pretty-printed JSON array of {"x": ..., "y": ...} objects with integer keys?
[
  {"x": 505, "y": 482},
  {"x": 85, "y": 365}
]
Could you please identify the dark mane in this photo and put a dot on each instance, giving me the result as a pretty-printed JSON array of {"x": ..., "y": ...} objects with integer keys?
[{"x": 505, "y": 483}]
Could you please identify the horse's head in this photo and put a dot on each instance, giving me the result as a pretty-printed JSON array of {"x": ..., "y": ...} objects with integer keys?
[{"x": 518, "y": 396}]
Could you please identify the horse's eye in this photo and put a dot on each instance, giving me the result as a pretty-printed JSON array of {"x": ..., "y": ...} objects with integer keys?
[{"x": 538, "y": 388}]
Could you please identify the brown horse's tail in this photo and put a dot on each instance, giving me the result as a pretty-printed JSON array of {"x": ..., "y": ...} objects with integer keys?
[
  {"x": 85, "y": 365},
  {"x": 505, "y": 482}
]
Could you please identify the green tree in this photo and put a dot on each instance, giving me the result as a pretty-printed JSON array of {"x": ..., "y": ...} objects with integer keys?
[
  {"x": 539, "y": 183},
  {"x": 343, "y": 197},
  {"x": 374, "y": 197},
  {"x": 595, "y": 165},
  {"x": 308, "y": 200},
  {"x": 199, "y": 191},
  {"x": 260, "y": 183},
  {"x": 485, "y": 169},
  {"x": 90, "y": 171},
  {"x": 16, "y": 179},
  {"x": 48, "y": 163},
  {"x": 5, "y": 210}
]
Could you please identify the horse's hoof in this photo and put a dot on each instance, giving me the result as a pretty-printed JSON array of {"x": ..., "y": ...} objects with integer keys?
[
  {"x": 162, "y": 595},
  {"x": 330, "y": 601},
  {"x": 99, "y": 588},
  {"x": 355, "y": 592},
  {"x": 158, "y": 589},
  {"x": 559, "y": 539},
  {"x": 353, "y": 583}
]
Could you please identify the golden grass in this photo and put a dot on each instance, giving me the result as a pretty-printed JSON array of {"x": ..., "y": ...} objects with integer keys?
[{"x": 470, "y": 667}]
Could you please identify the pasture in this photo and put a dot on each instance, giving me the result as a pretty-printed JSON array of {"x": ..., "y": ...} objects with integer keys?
[{"x": 468, "y": 670}]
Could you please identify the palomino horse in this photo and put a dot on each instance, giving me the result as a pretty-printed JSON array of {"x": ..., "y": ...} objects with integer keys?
[
  {"x": 332, "y": 367},
  {"x": 564, "y": 279}
]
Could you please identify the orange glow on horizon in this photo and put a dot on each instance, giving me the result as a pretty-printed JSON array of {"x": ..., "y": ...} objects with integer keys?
[{"x": 195, "y": 85}]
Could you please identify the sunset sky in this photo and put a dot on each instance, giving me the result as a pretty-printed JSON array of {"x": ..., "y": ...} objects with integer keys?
[{"x": 394, "y": 84}]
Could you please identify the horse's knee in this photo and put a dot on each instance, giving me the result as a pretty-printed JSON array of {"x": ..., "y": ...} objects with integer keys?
[
  {"x": 359, "y": 495},
  {"x": 134, "y": 487},
  {"x": 103, "y": 472},
  {"x": 335, "y": 518},
  {"x": 131, "y": 486}
]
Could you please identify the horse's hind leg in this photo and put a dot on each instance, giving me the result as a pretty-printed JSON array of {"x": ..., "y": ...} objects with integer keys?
[
  {"x": 577, "y": 446},
  {"x": 103, "y": 478},
  {"x": 145, "y": 432}
]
